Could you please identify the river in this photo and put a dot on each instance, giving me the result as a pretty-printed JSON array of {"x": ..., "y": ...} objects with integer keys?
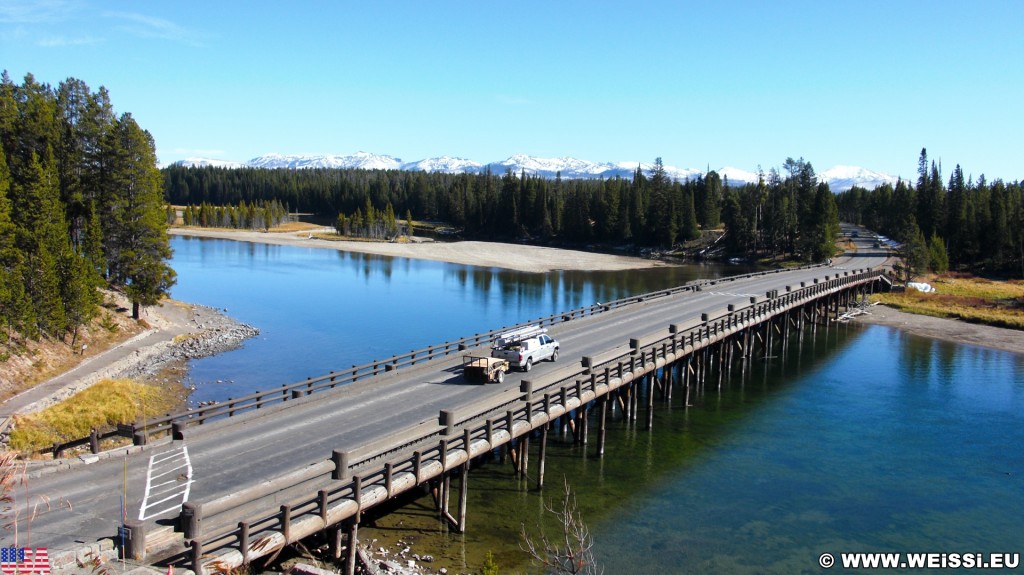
[{"x": 860, "y": 439}]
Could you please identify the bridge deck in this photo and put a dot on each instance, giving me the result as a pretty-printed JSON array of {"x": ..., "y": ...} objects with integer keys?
[{"x": 251, "y": 449}]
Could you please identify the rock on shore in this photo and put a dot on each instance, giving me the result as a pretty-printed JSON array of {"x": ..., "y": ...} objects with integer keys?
[{"x": 209, "y": 332}]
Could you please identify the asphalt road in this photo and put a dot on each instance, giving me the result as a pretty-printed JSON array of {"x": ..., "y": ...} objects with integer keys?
[{"x": 66, "y": 509}]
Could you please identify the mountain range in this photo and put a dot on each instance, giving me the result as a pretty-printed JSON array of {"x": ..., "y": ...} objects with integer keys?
[{"x": 839, "y": 178}]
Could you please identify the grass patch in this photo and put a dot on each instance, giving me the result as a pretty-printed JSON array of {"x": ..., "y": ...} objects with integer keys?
[
  {"x": 294, "y": 227},
  {"x": 971, "y": 299},
  {"x": 281, "y": 229},
  {"x": 102, "y": 406}
]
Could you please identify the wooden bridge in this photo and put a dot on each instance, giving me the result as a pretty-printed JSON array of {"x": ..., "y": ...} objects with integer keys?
[{"x": 269, "y": 469}]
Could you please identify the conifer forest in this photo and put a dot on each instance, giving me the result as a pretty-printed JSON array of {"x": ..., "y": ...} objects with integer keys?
[{"x": 81, "y": 207}]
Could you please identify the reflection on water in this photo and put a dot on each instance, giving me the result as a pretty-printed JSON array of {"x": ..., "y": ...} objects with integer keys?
[
  {"x": 322, "y": 310},
  {"x": 863, "y": 439}
]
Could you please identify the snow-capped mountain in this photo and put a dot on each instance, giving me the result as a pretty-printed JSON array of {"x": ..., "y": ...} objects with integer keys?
[
  {"x": 842, "y": 178},
  {"x": 206, "y": 162},
  {"x": 550, "y": 167},
  {"x": 445, "y": 164},
  {"x": 839, "y": 178},
  {"x": 737, "y": 176},
  {"x": 359, "y": 160}
]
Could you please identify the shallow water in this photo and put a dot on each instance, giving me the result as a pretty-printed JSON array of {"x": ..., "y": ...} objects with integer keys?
[
  {"x": 861, "y": 439},
  {"x": 864, "y": 439},
  {"x": 321, "y": 310}
]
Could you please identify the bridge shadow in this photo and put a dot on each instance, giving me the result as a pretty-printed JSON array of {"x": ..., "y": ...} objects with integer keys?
[{"x": 453, "y": 376}]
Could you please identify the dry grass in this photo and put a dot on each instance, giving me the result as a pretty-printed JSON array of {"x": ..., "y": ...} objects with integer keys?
[
  {"x": 288, "y": 227},
  {"x": 294, "y": 227},
  {"x": 29, "y": 362},
  {"x": 102, "y": 406},
  {"x": 976, "y": 300},
  {"x": 335, "y": 237}
]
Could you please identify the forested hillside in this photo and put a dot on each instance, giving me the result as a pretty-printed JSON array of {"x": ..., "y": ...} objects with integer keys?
[
  {"x": 81, "y": 206},
  {"x": 970, "y": 225},
  {"x": 787, "y": 215},
  {"x": 649, "y": 210}
]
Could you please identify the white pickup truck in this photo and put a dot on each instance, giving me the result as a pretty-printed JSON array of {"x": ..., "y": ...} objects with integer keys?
[{"x": 524, "y": 347}]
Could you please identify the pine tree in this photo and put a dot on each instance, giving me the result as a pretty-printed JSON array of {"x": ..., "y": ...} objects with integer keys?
[
  {"x": 13, "y": 303},
  {"x": 689, "y": 229},
  {"x": 710, "y": 207},
  {"x": 42, "y": 239},
  {"x": 92, "y": 242},
  {"x": 938, "y": 261},
  {"x": 998, "y": 241},
  {"x": 137, "y": 246},
  {"x": 826, "y": 229},
  {"x": 661, "y": 210}
]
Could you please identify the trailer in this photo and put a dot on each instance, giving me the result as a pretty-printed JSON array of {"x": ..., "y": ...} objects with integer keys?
[{"x": 483, "y": 369}]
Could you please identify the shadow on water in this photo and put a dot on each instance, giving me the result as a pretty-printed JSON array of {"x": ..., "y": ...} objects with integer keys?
[
  {"x": 862, "y": 439},
  {"x": 322, "y": 310},
  {"x": 842, "y": 445}
]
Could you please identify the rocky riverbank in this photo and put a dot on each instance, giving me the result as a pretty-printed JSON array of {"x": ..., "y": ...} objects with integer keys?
[
  {"x": 176, "y": 332},
  {"x": 209, "y": 332}
]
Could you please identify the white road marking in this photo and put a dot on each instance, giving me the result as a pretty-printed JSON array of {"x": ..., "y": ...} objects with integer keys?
[
  {"x": 730, "y": 294},
  {"x": 173, "y": 472}
]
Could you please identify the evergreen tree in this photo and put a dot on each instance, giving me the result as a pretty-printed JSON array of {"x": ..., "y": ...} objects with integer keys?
[
  {"x": 710, "y": 209},
  {"x": 662, "y": 211},
  {"x": 42, "y": 239},
  {"x": 930, "y": 197},
  {"x": 938, "y": 261},
  {"x": 956, "y": 215},
  {"x": 92, "y": 243},
  {"x": 915, "y": 253},
  {"x": 688, "y": 228},
  {"x": 14, "y": 306},
  {"x": 997, "y": 240},
  {"x": 826, "y": 229},
  {"x": 137, "y": 245}
]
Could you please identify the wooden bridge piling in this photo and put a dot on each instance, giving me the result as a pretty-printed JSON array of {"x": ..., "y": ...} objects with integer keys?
[
  {"x": 650, "y": 401},
  {"x": 712, "y": 351},
  {"x": 542, "y": 456}
]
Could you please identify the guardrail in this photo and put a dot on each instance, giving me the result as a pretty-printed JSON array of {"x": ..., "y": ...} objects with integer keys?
[
  {"x": 348, "y": 482},
  {"x": 175, "y": 423}
]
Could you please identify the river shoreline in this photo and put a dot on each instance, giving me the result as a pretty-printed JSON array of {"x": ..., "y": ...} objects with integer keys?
[
  {"x": 540, "y": 259},
  {"x": 517, "y": 257},
  {"x": 945, "y": 329},
  {"x": 177, "y": 332},
  {"x": 211, "y": 332}
]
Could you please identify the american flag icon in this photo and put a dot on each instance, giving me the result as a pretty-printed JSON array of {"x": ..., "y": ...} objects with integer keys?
[{"x": 24, "y": 560}]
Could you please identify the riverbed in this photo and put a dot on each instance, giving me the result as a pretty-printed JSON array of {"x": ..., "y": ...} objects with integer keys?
[{"x": 859, "y": 439}]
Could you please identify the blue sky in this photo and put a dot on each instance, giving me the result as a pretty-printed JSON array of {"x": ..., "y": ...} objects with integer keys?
[{"x": 742, "y": 84}]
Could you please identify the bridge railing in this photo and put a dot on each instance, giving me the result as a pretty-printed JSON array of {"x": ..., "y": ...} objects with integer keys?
[
  {"x": 349, "y": 481},
  {"x": 175, "y": 423}
]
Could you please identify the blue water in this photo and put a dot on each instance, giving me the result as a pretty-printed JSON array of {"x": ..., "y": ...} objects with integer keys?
[
  {"x": 321, "y": 310},
  {"x": 860, "y": 439},
  {"x": 863, "y": 439},
  {"x": 888, "y": 443}
]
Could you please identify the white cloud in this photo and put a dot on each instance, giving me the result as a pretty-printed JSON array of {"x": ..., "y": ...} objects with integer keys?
[
  {"x": 60, "y": 41},
  {"x": 36, "y": 11},
  {"x": 145, "y": 26}
]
